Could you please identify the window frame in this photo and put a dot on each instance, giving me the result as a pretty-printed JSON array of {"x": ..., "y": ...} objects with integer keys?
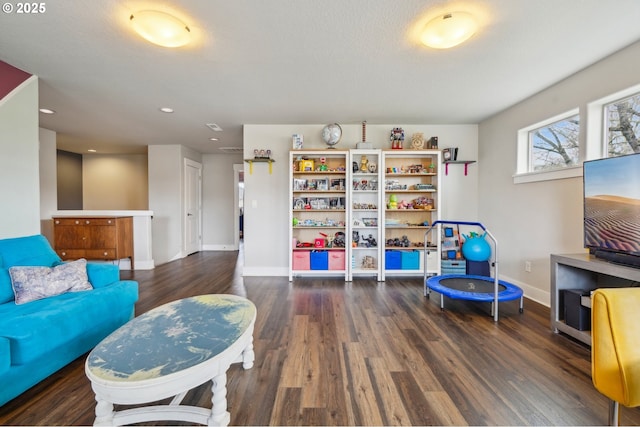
[
  {"x": 523, "y": 173},
  {"x": 597, "y": 135}
]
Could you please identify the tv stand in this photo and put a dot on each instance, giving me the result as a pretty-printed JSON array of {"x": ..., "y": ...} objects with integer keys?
[
  {"x": 618, "y": 258},
  {"x": 586, "y": 272}
]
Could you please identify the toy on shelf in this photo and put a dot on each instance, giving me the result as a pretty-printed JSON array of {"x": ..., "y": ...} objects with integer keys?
[
  {"x": 393, "y": 201},
  {"x": 397, "y": 138},
  {"x": 417, "y": 141},
  {"x": 363, "y": 164}
]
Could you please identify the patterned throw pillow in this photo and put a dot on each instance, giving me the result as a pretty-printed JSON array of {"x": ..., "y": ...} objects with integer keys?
[{"x": 34, "y": 283}]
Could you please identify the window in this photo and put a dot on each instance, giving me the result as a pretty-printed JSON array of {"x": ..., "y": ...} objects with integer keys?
[
  {"x": 555, "y": 145},
  {"x": 549, "y": 149},
  {"x": 554, "y": 148},
  {"x": 622, "y": 126}
]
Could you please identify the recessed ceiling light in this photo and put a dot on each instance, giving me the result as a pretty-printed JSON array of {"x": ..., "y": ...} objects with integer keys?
[
  {"x": 166, "y": 110},
  {"x": 91, "y": 150},
  {"x": 213, "y": 139},
  {"x": 47, "y": 111}
]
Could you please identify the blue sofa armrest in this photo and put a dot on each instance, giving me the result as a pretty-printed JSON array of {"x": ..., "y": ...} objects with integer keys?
[
  {"x": 101, "y": 275},
  {"x": 5, "y": 355}
]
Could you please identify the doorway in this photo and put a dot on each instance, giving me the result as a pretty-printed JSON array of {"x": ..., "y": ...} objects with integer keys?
[
  {"x": 192, "y": 206},
  {"x": 238, "y": 203}
]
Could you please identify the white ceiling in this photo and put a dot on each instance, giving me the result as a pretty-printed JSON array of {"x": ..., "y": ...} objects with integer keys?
[{"x": 295, "y": 61}]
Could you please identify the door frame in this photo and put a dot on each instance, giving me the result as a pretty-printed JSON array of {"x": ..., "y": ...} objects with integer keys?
[
  {"x": 191, "y": 163},
  {"x": 237, "y": 170}
]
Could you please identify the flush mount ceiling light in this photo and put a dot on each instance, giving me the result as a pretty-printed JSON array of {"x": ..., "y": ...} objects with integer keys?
[
  {"x": 46, "y": 111},
  {"x": 449, "y": 30},
  {"x": 160, "y": 28},
  {"x": 166, "y": 109}
]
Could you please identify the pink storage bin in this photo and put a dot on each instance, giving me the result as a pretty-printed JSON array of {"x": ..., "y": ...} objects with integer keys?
[
  {"x": 336, "y": 260},
  {"x": 301, "y": 260}
]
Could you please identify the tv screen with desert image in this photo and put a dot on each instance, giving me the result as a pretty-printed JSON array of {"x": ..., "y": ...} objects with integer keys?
[{"x": 612, "y": 204}]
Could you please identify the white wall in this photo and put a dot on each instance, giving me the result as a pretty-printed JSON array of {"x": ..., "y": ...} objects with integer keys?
[
  {"x": 115, "y": 182},
  {"x": 266, "y": 226},
  {"x": 218, "y": 231},
  {"x": 48, "y": 187},
  {"x": 166, "y": 199},
  {"x": 533, "y": 220},
  {"x": 19, "y": 163}
]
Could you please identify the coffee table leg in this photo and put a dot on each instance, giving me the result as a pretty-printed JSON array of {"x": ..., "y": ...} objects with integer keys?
[
  {"x": 104, "y": 412},
  {"x": 248, "y": 356},
  {"x": 219, "y": 414}
]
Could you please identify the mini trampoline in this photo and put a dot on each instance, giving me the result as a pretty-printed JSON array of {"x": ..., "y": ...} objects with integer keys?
[{"x": 472, "y": 287}]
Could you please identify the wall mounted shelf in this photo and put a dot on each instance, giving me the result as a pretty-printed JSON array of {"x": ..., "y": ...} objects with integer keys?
[
  {"x": 457, "y": 162},
  {"x": 259, "y": 160}
]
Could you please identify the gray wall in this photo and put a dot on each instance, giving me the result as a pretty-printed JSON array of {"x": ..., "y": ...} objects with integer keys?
[
  {"x": 69, "y": 171},
  {"x": 533, "y": 220}
]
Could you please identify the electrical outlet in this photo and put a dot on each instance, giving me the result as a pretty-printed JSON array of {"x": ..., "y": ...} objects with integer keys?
[{"x": 527, "y": 266}]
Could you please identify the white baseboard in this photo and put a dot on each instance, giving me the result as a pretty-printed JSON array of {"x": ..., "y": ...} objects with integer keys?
[
  {"x": 265, "y": 271},
  {"x": 230, "y": 247},
  {"x": 535, "y": 294},
  {"x": 147, "y": 264}
]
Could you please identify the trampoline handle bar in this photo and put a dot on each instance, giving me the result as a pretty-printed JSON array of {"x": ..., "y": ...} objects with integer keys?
[{"x": 478, "y": 224}]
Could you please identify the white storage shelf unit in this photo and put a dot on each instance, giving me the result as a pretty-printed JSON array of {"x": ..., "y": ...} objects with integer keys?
[
  {"x": 365, "y": 214},
  {"x": 411, "y": 194},
  {"x": 341, "y": 221},
  {"x": 318, "y": 214}
]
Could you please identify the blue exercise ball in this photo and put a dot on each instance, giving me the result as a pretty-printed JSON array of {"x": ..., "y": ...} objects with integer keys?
[{"x": 476, "y": 248}]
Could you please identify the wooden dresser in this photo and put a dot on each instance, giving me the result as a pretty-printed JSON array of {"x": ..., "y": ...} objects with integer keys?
[{"x": 94, "y": 238}]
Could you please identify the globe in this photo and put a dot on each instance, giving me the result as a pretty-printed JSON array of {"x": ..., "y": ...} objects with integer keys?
[{"x": 331, "y": 134}]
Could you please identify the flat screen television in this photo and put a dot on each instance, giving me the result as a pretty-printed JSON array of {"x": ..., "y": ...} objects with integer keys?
[{"x": 612, "y": 208}]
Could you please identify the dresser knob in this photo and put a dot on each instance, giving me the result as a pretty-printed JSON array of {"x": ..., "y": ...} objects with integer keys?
[
  {"x": 105, "y": 254},
  {"x": 64, "y": 254},
  {"x": 77, "y": 222},
  {"x": 88, "y": 222}
]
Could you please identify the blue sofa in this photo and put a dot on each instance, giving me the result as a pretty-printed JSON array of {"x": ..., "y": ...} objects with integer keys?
[{"x": 38, "y": 338}]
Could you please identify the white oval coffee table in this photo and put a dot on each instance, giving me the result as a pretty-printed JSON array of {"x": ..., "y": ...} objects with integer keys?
[{"x": 168, "y": 351}]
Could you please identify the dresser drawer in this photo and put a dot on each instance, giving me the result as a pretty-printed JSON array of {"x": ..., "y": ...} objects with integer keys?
[
  {"x": 70, "y": 254},
  {"x": 85, "y": 221},
  {"x": 100, "y": 253}
]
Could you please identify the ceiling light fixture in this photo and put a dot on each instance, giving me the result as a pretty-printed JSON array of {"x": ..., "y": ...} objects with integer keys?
[
  {"x": 449, "y": 30},
  {"x": 91, "y": 150},
  {"x": 166, "y": 109},
  {"x": 213, "y": 139},
  {"x": 46, "y": 111},
  {"x": 160, "y": 28}
]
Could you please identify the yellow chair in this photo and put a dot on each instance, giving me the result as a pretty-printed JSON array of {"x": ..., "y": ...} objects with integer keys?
[{"x": 615, "y": 348}]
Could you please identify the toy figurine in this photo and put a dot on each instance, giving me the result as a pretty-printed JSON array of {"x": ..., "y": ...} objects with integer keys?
[
  {"x": 393, "y": 201},
  {"x": 363, "y": 164}
]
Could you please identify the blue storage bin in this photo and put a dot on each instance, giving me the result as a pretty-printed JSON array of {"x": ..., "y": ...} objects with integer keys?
[
  {"x": 392, "y": 260},
  {"x": 454, "y": 267},
  {"x": 319, "y": 260},
  {"x": 410, "y": 260}
]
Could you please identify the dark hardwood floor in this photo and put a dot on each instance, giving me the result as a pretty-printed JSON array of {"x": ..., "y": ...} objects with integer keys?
[{"x": 362, "y": 353}]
